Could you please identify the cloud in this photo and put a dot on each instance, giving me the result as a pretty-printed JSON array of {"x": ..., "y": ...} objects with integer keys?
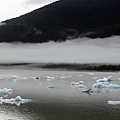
[
  {"x": 43, "y": 2},
  {"x": 82, "y": 50}
]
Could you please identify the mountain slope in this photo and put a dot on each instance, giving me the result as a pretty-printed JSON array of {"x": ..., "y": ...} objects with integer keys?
[{"x": 65, "y": 19}]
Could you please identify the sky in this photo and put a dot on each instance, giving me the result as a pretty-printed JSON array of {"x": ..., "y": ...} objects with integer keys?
[
  {"x": 81, "y": 50},
  {"x": 14, "y": 8}
]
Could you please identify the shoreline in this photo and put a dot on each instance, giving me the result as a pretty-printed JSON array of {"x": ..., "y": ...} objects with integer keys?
[{"x": 64, "y": 66}]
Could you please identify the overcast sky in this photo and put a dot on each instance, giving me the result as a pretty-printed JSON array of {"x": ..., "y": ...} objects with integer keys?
[{"x": 14, "y": 8}]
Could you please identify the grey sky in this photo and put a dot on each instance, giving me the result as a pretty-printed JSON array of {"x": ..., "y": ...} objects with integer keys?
[
  {"x": 14, "y": 8},
  {"x": 39, "y": 1}
]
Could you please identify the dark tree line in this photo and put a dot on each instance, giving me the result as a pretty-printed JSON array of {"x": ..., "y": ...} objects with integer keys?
[{"x": 95, "y": 67}]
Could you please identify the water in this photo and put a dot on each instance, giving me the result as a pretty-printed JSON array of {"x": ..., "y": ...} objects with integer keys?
[{"x": 63, "y": 102}]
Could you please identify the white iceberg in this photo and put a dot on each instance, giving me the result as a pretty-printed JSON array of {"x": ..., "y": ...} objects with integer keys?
[
  {"x": 99, "y": 85},
  {"x": 5, "y": 92},
  {"x": 68, "y": 76},
  {"x": 80, "y": 75},
  {"x": 82, "y": 86},
  {"x": 113, "y": 102},
  {"x": 81, "y": 82},
  {"x": 50, "y": 77},
  {"x": 90, "y": 74},
  {"x": 114, "y": 86},
  {"x": 16, "y": 78},
  {"x": 105, "y": 79},
  {"x": 75, "y": 83},
  {"x": 17, "y": 101}
]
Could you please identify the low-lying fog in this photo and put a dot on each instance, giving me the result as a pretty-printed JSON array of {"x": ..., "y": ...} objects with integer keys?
[{"x": 82, "y": 50}]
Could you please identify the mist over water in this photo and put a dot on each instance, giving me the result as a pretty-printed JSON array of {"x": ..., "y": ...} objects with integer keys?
[{"x": 81, "y": 50}]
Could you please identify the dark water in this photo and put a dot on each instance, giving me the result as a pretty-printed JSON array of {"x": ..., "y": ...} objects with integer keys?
[{"x": 63, "y": 102}]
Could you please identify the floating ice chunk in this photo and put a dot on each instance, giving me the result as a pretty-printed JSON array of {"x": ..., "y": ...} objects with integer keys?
[
  {"x": 113, "y": 102},
  {"x": 18, "y": 100},
  {"x": 114, "y": 86},
  {"x": 62, "y": 77},
  {"x": 74, "y": 83},
  {"x": 109, "y": 78},
  {"x": 99, "y": 85},
  {"x": 81, "y": 82},
  {"x": 77, "y": 83},
  {"x": 94, "y": 77},
  {"x": 5, "y": 92},
  {"x": 105, "y": 79},
  {"x": 34, "y": 78},
  {"x": 50, "y": 77},
  {"x": 89, "y": 74},
  {"x": 80, "y": 75},
  {"x": 14, "y": 77},
  {"x": 68, "y": 76},
  {"x": 82, "y": 86}
]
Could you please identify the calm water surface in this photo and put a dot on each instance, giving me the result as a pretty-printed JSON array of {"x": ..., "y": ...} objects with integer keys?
[{"x": 63, "y": 102}]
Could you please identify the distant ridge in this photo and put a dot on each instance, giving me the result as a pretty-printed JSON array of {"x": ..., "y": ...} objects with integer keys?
[{"x": 65, "y": 19}]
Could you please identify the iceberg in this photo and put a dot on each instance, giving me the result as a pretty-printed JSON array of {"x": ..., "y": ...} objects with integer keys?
[
  {"x": 113, "y": 102},
  {"x": 105, "y": 79},
  {"x": 114, "y": 86},
  {"x": 99, "y": 85},
  {"x": 81, "y": 82},
  {"x": 77, "y": 83},
  {"x": 5, "y": 92},
  {"x": 74, "y": 83},
  {"x": 15, "y": 78},
  {"x": 90, "y": 74},
  {"x": 82, "y": 86},
  {"x": 17, "y": 100}
]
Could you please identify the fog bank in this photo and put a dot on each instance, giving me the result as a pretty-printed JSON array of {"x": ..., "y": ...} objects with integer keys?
[{"x": 82, "y": 50}]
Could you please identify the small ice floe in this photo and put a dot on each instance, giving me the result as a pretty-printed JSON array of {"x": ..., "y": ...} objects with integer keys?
[
  {"x": 90, "y": 74},
  {"x": 15, "y": 78},
  {"x": 35, "y": 78},
  {"x": 81, "y": 82},
  {"x": 114, "y": 86},
  {"x": 105, "y": 79},
  {"x": 62, "y": 77},
  {"x": 113, "y": 102},
  {"x": 68, "y": 76},
  {"x": 94, "y": 77},
  {"x": 77, "y": 83},
  {"x": 99, "y": 85},
  {"x": 80, "y": 75},
  {"x": 74, "y": 83},
  {"x": 17, "y": 101},
  {"x": 81, "y": 86},
  {"x": 50, "y": 77},
  {"x": 5, "y": 92}
]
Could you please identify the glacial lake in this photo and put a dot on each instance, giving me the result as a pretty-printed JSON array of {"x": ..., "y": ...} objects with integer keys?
[{"x": 55, "y": 98}]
